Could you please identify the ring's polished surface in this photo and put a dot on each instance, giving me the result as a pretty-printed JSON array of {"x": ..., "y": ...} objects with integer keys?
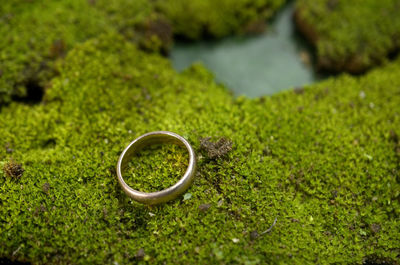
[{"x": 167, "y": 194}]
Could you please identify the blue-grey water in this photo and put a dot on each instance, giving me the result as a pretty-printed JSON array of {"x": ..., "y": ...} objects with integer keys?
[{"x": 254, "y": 65}]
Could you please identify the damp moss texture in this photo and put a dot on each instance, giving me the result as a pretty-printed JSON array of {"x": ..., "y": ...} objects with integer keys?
[
  {"x": 209, "y": 18},
  {"x": 35, "y": 35},
  {"x": 351, "y": 36},
  {"x": 322, "y": 160}
]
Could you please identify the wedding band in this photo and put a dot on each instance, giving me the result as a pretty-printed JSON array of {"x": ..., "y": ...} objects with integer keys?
[{"x": 167, "y": 194}]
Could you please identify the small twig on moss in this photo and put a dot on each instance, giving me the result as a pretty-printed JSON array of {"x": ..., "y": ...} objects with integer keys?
[
  {"x": 270, "y": 228},
  {"x": 16, "y": 251}
]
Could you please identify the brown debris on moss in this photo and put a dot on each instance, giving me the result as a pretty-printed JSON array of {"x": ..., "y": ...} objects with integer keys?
[
  {"x": 140, "y": 254},
  {"x": 58, "y": 48},
  {"x": 216, "y": 149},
  {"x": 13, "y": 169},
  {"x": 9, "y": 150},
  {"x": 155, "y": 34},
  {"x": 204, "y": 207},
  {"x": 375, "y": 228},
  {"x": 46, "y": 188}
]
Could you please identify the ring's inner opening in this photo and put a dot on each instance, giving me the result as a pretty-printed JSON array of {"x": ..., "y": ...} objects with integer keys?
[{"x": 156, "y": 167}]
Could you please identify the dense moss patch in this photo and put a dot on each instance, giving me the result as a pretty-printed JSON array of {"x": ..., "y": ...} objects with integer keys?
[
  {"x": 36, "y": 34},
  {"x": 323, "y": 163},
  {"x": 351, "y": 36},
  {"x": 147, "y": 173}
]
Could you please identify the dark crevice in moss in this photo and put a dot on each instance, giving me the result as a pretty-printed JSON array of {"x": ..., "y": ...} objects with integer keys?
[
  {"x": 159, "y": 28},
  {"x": 392, "y": 55},
  {"x": 306, "y": 33},
  {"x": 376, "y": 260},
  {"x": 34, "y": 93},
  {"x": 49, "y": 143},
  {"x": 6, "y": 261},
  {"x": 310, "y": 48}
]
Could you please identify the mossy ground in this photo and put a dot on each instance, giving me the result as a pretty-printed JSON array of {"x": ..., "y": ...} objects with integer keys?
[
  {"x": 323, "y": 160},
  {"x": 36, "y": 34},
  {"x": 146, "y": 172},
  {"x": 351, "y": 36}
]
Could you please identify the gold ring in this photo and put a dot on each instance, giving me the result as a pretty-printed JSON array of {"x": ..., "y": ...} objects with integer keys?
[{"x": 167, "y": 194}]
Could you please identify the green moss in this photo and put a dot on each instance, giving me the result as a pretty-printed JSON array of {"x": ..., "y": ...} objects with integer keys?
[
  {"x": 36, "y": 34},
  {"x": 12, "y": 169},
  {"x": 147, "y": 173},
  {"x": 324, "y": 162},
  {"x": 217, "y": 18},
  {"x": 351, "y": 35}
]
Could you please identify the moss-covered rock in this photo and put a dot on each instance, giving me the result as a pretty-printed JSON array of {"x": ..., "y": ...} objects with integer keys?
[
  {"x": 350, "y": 36},
  {"x": 323, "y": 161},
  {"x": 200, "y": 18},
  {"x": 35, "y": 34}
]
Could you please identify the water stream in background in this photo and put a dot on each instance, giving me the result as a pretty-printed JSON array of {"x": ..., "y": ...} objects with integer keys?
[{"x": 254, "y": 65}]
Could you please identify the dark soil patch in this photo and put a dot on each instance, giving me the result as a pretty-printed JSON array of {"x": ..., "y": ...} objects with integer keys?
[{"x": 5, "y": 261}]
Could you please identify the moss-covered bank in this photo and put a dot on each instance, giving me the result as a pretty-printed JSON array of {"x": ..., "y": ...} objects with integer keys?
[
  {"x": 36, "y": 34},
  {"x": 323, "y": 160},
  {"x": 350, "y": 36}
]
